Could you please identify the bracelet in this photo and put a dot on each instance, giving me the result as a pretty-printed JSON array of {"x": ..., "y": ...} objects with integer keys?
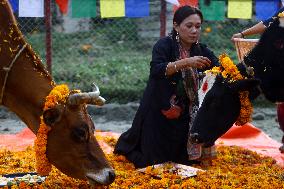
[
  {"x": 175, "y": 65},
  {"x": 167, "y": 67},
  {"x": 243, "y": 36}
]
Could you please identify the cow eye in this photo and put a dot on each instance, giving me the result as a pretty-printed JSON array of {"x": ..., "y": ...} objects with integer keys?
[{"x": 79, "y": 134}]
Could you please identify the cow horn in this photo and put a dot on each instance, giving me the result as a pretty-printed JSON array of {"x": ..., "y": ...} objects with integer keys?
[{"x": 87, "y": 98}]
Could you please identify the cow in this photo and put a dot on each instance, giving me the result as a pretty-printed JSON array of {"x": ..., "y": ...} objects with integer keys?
[
  {"x": 24, "y": 86},
  {"x": 220, "y": 102}
]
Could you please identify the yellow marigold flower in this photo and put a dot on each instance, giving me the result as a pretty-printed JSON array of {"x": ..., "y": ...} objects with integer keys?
[
  {"x": 281, "y": 14},
  {"x": 208, "y": 29}
]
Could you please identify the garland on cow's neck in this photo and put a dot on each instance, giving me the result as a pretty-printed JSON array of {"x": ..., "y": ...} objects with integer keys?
[
  {"x": 58, "y": 95},
  {"x": 229, "y": 70},
  {"x": 281, "y": 14}
]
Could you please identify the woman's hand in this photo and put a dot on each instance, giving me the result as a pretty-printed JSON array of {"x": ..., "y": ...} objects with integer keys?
[
  {"x": 199, "y": 62},
  {"x": 237, "y": 35}
]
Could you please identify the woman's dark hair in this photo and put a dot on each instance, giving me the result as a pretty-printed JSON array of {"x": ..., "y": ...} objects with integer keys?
[{"x": 182, "y": 13}]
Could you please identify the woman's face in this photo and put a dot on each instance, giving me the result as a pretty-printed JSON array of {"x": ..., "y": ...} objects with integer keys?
[{"x": 189, "y": 29}]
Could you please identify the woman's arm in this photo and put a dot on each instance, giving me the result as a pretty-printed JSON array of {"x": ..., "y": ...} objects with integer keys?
[
  {"x": 161, "y": 56},
  {"x": 256, "y": 29},
  {"x": 199, "y": 62},
  {"x": 164, "y": 65}
]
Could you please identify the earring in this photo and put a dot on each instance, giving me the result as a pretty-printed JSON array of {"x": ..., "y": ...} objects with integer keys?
[{"x": 177, "y": 37}]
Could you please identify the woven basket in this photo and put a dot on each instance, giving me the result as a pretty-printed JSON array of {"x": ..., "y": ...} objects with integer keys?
[{"x": 243, "y": 46}]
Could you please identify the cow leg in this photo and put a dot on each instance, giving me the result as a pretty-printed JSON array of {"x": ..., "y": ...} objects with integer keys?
[{"x": 280, "y": 116}]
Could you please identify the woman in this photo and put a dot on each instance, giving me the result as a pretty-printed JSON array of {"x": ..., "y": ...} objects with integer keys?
[
  {"x": 161, "y": 124},
  {"x": 258, "y": 29}
]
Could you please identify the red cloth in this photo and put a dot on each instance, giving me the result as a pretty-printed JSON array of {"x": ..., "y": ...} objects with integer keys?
[
  {"x": 246, "y": 136},
  {"x": 252, "y": 138},
  {"x": 63, "y": 6},
  {"x": 25, "y": 138},
  {"x": 193, "y": 3},
  {"x": 18, "y": 141},
  {"x": 172, "y": 113}
]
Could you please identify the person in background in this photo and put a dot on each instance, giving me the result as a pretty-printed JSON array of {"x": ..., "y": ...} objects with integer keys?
[
  {"x": 159, "y": 131},
  {"x": 258, "y": 29}
]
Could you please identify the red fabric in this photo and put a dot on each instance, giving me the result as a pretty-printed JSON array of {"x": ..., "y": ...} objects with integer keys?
[
  {"x": 63, "y": 6},
  {"x": 25, "y": 138},
  {"x": 252, "y": 138},
  {"x": 193, "y": 3},
  {"x": 172, "y": 113},
  {"x": 246, "y": 136},
  {"x": 17, "y": 141}
]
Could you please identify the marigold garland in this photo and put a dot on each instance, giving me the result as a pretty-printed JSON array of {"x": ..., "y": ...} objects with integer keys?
[
  {"x": 57, "y": 95},
  {"x": 229, "y": 70},
  {"x": 234, "y": 167}
]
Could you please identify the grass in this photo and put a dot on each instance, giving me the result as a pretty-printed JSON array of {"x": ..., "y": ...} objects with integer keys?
[{"x": 120, "y": 71}]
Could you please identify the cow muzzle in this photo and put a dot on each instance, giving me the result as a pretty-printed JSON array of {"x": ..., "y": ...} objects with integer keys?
[{"x": 105, "y": 177}]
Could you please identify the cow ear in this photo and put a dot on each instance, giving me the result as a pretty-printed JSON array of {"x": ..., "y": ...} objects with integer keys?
[
  {"x": 52, "y": 115},
  {"x": 244, "y": 85}
]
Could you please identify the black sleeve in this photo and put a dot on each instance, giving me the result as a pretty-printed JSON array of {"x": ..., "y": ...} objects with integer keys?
[{"x": 161, "y": 54}]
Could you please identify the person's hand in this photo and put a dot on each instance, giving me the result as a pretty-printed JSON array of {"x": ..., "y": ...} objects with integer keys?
[
  {"x": 172, "y": 113},
  {"x": 198, "y": 62},
  {"x": 236, "y": 35}
]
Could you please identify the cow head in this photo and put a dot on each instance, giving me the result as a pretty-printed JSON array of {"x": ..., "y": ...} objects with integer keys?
[
  {"x": 219, "y": 107},
  {"x": 72, "y": 139},
  {"x": 219, "y": 98},
  {"x": 267, "y": 59}
]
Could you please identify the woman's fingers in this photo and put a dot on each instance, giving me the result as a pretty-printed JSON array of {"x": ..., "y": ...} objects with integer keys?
[
  {"x": 199, "y": 62},
  {"x": 202, "y": 62},
  {"x": 205, "y": 61}
]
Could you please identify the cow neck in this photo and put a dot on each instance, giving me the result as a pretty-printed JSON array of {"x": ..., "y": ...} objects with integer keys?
[
  {"x": 7, "y": 71},
  {"x": 26, "y": 85}
]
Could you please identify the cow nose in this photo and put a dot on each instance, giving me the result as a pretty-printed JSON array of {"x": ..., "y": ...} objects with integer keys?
[
  {"x": 105, "y": 176},
  {"x": 111, "y": 176}
]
